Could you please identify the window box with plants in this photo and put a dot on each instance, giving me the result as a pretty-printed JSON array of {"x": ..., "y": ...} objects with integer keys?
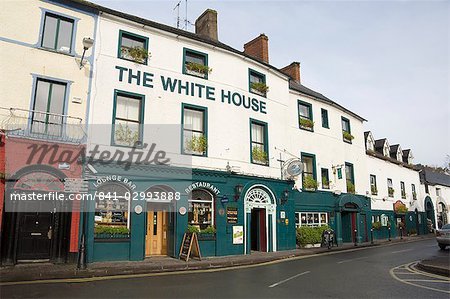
[
  {"x": 347, "y": 136},
  {"x": 197, "y": 69},
  {"x": 259, "y": 156},
  {"x": 208, "y": 233},
  {"x": 197, "y": 145},
  {"x": 374, "y": 190},
  {"x": 325, "y": 183},
  {"x": 306, "y": 124},
  {"x": 259, "y": 88},
  {"x": 350, "y": 187},
  {"x": 309, "y": 183},
  {"x": 111, "y": 232},
  {"x": 137, "y": 54},
  {"x": 125, "y": 136},
  {"x": 391, "y": 192}
]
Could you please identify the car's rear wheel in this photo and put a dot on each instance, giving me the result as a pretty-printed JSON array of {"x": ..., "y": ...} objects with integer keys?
[{"x": 442, "y": 246}]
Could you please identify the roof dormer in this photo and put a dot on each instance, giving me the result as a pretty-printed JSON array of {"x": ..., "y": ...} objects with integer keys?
[
  {"x": 395, "y": 152},
  {"x": 382, "y": 146},
  {"x": 370, "y": 141},
  {"x": 407, "y": 156}
]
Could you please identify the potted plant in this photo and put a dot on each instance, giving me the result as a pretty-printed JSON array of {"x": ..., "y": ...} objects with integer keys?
[
  {"x": 111, "y": 232},
  {"x": 347, "y": 136},
  {"x": 350, "y": 187},
  {"x": 125, "y": 136},
  {"x": 306, "y": 124},
  {"x": 197, "y": 144},
  {"x": 376, "y": 225},
  {"x": 138, "y": 54},
  {"x": 325, "y": 183},
  {"x": 259, "y": 155},
  {"x": 193, "y": 229},
  {"x": 208, "y": 233},
  {"x": 309, "y": 183},
  {"x": 374, "y": 190},
  {"x": 259, "y": 87},
  {"x": 197, "y": 69},
  {"x": 391, "y": 191}
]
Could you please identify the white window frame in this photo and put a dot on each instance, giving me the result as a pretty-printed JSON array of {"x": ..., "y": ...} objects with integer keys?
[{"x": 320, "y": 223}]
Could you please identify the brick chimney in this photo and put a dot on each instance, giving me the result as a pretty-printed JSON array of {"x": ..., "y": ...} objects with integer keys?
[
  {"x": 293, "y": 71},
  {"x": 206, "y": 24},
  {"x": 258, "y": 48}
]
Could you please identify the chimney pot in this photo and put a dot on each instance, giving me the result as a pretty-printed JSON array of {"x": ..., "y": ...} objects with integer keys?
[
  {"x": 258, "y": 48},
  {"x": 293, "y": 71},
  {"x": 206, "y": 24}
]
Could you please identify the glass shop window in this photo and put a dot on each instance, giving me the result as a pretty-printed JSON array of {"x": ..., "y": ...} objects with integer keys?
[{"x": 201, "y": 209}]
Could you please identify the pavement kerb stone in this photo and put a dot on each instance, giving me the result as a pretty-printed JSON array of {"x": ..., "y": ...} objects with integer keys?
[
  {"x": 434, "y": 269},
  {"x": 213, "y": 263}
]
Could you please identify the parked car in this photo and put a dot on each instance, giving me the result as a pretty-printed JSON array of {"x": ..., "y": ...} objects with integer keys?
[{"x": 443, "y": 236}]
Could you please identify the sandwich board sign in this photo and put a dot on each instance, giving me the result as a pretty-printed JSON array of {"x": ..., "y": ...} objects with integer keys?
[{"x": 189, "y": 247}]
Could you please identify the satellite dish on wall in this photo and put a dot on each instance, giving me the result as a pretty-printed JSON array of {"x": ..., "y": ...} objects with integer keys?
[{"x": 292, "y": 168}]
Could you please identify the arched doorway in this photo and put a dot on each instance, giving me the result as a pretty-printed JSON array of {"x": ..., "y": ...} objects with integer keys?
[
  {"x": 36, "y": 229},
  {"x": 260, "y": 219},
  {"x": 353, "y": 224},
  {"x": 160, "y": 224},
  {"x": 429, "y": 211}
]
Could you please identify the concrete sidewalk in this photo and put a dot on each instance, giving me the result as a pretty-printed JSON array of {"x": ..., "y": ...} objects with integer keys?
[
  {"x": 45, "y": 271},
  {"x": 439, "y": 265}
]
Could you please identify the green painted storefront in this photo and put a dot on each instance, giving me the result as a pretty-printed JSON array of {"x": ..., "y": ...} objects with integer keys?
[{"x": 280, "y": 222}]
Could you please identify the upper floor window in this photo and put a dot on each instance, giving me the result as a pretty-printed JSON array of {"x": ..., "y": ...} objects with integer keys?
[
  {"x": 324, "y": 113},
  {"x": 257, "y": 83},
  {"x": 195, "y": 63},
  {"x": 48, "y": 107},
  {"x": 370, "y": 144},
  {"x": 402, "y": 189},
  {"x": 350, "y": 177},
  {"x": 390, "y": 188},
  {"x": 413, "y": 189},
  {"x": 325, "y": 178},
  {"x": 305, "y": 116},
  {"x": 373, "y": 185},
  {"x": 128, "y": 118},
  {"x": 438, "y": 191},
  {"x": 195, "y": 140},
  {"x": 386, "y": 149},
  {"x": 346, "y": 130},
  {"x": 309, "y": 171},
  {"x": 259, "y": 144},
  {"x": 57, "y": 33},
  {"x": 133, "y": 47}
]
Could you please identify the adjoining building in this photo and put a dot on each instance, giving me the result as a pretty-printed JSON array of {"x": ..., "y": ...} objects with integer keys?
[
  {"x": 45, "y": 94},
  {"x": 435, "y": 186}
]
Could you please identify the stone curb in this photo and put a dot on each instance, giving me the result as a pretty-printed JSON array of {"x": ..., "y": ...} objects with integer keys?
[{"x": 424, "y": 266}]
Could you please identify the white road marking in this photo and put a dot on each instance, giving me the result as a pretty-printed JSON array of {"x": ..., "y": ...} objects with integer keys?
[
  {"x": 399, "y": 251},
  {"x": 427, "y": 280},
  {"x": 287, "y": 279},
  {"x": 351, "y": 260}
]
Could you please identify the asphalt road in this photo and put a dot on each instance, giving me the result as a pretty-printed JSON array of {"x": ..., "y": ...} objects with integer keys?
[{"x": 376, "y": 272}]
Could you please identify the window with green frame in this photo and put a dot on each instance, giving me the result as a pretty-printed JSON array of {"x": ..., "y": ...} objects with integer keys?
[
  {"x": 346, "y": 130},
  {"x": 403, "y": 190},
  {"x": 373, "y": 185},
  {"x": 325, "y": 178},
  {"x": 195, "y": 63},
  {"x": 324, "y": 114},
  {"x": 390, "y": 188},
  {"x": 413, "y": 190},
  {"x": 48, "y": 107},
  {"x": 350, "y": 177},
  {"x": 133, "y": 47},
  {"x": 309, "y": 176},
  {"x": 195, "y": 138},
  {"x": 257, "y": 83},
  {"x": 57, "y": 33},
  {"x": 259, "y": 146},
  {"x": 128, "y": 116},
  {"x": 305, "y": 116}
]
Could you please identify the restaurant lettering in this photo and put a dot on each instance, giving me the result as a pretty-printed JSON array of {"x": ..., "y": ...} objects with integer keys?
[{"x": 192, "y": 89}]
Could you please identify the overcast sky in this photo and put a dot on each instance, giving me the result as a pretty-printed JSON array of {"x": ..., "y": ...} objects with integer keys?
[{"x": 388, "y": 61}]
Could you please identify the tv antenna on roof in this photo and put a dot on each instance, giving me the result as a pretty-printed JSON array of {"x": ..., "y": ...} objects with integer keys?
[{"x": 177, "y": 7}]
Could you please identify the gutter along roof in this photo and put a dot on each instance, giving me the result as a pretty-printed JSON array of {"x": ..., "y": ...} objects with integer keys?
[{"x": 292, "y": 84}]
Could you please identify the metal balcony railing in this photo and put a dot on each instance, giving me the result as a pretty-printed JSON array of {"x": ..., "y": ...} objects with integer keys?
[{"x": 41, "y": 125}]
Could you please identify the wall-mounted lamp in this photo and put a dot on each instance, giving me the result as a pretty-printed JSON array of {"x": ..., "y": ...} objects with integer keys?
[
  {"x": 87, "y": 44},
  {"x": 285, "y": 197},
  {"x": 238, "y": 191}
]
